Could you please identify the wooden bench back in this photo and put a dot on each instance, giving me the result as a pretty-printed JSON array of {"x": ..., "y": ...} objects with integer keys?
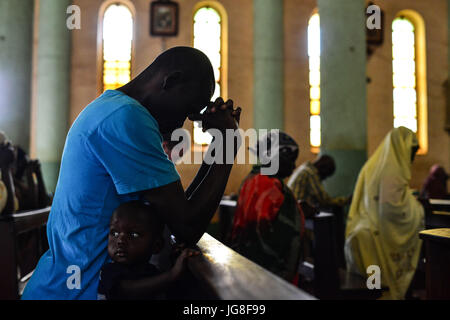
[
  {"x": 229, "y": 276},
  {"x": 11, "y": 227}
]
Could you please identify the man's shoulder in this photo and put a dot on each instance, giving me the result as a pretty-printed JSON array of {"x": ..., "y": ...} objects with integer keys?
[
  {"x": 109, "y": 108},
  {"x": 305, "y": 169}
]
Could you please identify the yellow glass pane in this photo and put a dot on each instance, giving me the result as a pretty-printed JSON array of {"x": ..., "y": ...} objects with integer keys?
[
  {"x": 405, "y": 94},
  {"x": 207, "y": 14},
  {"x": 404, "y": 66},
  {"x": 117, "y": 33},
  {"x": 410, "y": 123},
  {"x": 314, "y": 78},
  {"x": 402, "y": 24},
  {"x": 207, "y": 38},
  {"x": 404, "y": 74},
  {"x": 314, "y": 133},
  {"x": 405, "y": 110},
  {"x": 405, "y": 39},
  {"x": 402, "y": 52},
  {"x": 315, "y": 122},
  {"x": 314, "y": 36},
  {"x": 216, "y": 92},
  {"x": 404, "y": 80},
  {"x": 117, "y": 41},
  {"x": 314, "y": 63},
  {"x": 315, "y": 107},
  {"x": 217, "y": 74},
  {"x": 123, "y": 77},
  {"x": 201, "y": 137},
  {"x": 314, "y": 93}
]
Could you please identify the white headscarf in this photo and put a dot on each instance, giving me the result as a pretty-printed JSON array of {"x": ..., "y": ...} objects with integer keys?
[
  {"x": 385, "y": 218},
  {"x": 3, "y": 138}
]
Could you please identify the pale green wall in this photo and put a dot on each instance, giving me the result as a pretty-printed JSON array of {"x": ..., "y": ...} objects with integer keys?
[
  {"x": 16, "y": 33},
  {"x": 52, "y": 87},
  {"x": 343, "y": 90},
  {"x": 268, "y": 94}
]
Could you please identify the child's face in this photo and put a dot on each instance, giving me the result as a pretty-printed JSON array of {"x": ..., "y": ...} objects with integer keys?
[{"x": 130, "y": 240}]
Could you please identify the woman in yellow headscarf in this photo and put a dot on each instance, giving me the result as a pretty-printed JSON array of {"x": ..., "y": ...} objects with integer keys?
[{"x": 385, "y": 218}]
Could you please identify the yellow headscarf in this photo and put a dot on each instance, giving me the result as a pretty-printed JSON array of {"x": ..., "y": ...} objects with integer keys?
[{"x": 385, "y": 218}]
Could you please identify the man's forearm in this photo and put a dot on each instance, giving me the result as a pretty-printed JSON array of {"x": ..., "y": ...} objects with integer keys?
[
  {"x": 211, "y": 197},
  {"x": 206, "y": 197},
  {"x": 201, "y": 174}
]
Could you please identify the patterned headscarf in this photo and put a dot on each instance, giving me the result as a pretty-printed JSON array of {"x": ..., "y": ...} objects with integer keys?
[
  {"x": 266, "y": 147},
  {"x": 3, "y": 138}
]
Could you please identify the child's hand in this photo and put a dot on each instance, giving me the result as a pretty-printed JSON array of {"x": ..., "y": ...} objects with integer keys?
[{"x": 180, "y": 264}]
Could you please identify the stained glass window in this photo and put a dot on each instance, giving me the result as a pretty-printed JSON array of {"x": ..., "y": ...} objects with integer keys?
[
  {"x": 404, "y": 73},
  {"x": 117, "y": 41},
  {"x": 314, "y": 80},
  {"x": 208, "y": 39}
]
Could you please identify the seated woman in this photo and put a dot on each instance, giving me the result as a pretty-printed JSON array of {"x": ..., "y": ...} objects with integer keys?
[
  {"x": 385, "y": 218},
  {"x": 435, "y": 186},
  {"x": 268, "y": 222},
  {"x": 8, "y": 201}
]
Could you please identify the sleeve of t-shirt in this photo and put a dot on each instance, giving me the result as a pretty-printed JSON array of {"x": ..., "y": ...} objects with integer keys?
[{"x": 129, "y": 146}]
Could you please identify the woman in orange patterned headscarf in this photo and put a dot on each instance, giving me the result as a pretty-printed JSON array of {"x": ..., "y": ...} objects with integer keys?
[{"x": 268, "y": 223}]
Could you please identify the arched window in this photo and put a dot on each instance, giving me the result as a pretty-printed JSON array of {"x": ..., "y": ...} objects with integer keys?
[
  {"x": 209, "y": 37},
  {"x": 409, "y": 78},
  {"x": 314, "y": 81},
  {"x": 117, "y": 38}
]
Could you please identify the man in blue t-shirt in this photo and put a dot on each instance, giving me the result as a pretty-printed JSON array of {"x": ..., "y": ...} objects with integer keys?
[{"x": 114, "y": 154}]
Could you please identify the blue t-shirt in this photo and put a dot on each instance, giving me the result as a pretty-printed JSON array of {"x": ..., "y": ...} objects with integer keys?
[{"x": 113, "y": 150}]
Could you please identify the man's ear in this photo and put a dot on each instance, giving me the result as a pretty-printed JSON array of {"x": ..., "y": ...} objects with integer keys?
[
  {"x": 158, "y": 245},
  {"x": 172, "y": 79}
]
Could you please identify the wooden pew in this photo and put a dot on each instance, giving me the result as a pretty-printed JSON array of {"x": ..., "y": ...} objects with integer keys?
[
  {"x": 437, "y": 213},
  {"x": 220, "y": 273},
  {"x": 437, "y": 252},
  {"x": 227, "y": 208},
  {"x": 328, "y": 275},
  {"x": 11, "y": 226},
  {"x": 330, "y": 281},
  {"x": 224, "y": 274}
]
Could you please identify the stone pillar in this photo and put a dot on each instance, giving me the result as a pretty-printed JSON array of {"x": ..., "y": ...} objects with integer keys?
[
  {"x": 52, "y": 95},
  {"x": 343, "y": 90},
  {"x": 16, "y": 34},
  {"x": 268, "y": 111}
]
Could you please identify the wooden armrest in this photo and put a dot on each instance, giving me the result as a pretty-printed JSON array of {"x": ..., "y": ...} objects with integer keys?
[{"x": 228, "y": 275}]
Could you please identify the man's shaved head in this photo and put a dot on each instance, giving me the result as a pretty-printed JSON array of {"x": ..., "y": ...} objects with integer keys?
[
  {"x": 325, "y": 165},
  {"x": 193, "y": 63},
  {"x": 179, "y": 82}
]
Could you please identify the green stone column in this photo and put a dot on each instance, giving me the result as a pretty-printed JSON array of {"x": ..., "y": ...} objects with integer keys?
[
  {"x": 52, "y": 87},
  {"x": 16, "y": 40},
  {"x": 268, "y": 94},
  {"x": 343, "y": 90}
]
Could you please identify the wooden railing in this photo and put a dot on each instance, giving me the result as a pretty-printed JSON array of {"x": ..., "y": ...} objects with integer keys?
[
  {"x": 437, "y": 248},
  {"x": 11, "y": 226},
  {"x": 227, "y": 275},
  {"x": 437, "y": 213},
  {"x": 219, "y": 272}
]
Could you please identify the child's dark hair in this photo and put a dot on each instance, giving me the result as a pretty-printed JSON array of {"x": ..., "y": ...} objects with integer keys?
[{"x": 143, "y": 211}]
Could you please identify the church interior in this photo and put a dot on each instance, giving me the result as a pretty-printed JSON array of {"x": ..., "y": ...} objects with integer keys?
[{"x": 337, "y": 76}]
